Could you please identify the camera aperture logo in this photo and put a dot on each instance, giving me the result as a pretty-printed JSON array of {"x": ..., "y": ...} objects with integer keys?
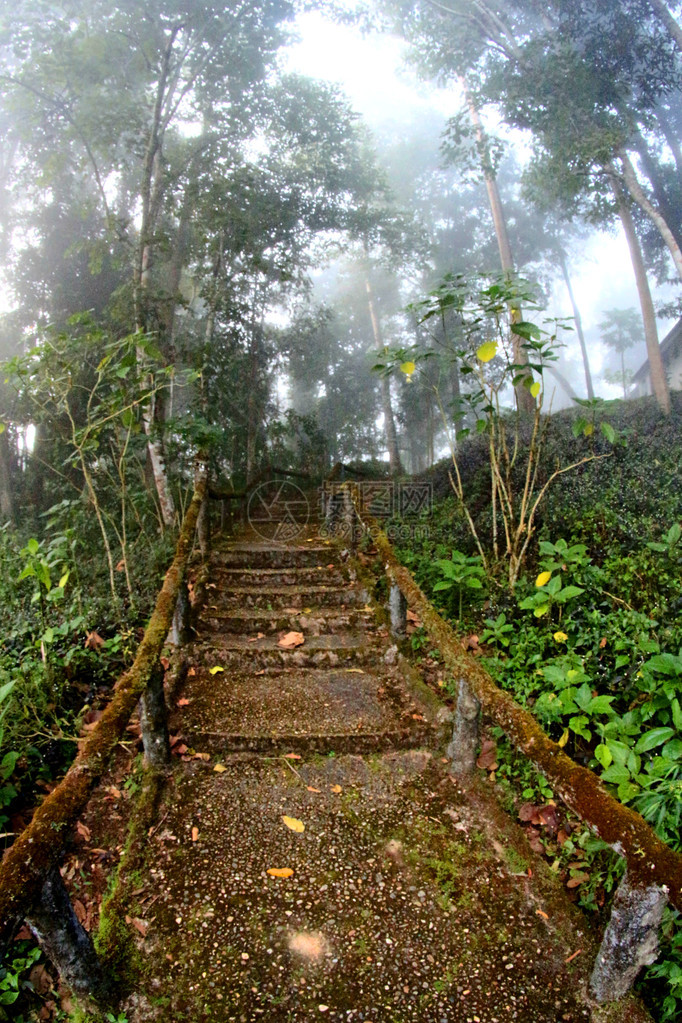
[
  {"x": 408, "y": 504},
  {"x": 278, "y": 510}
]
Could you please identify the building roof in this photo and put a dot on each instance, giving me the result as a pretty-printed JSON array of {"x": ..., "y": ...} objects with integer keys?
[{"x": 671, "y": 345}]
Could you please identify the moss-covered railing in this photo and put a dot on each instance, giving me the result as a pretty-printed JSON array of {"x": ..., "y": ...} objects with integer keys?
[
  {"x": 654, "y": 870},
  {"x": 30, "y": 883}
]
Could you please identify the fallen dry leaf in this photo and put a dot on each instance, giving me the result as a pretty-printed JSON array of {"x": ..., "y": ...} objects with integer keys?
[
  {"x": 184, "y": 702},
  {"x": 291, "y": 756},
  {"x": 165, "y": 663},
  {"x": 573, "y": 956},
  {"x": 138, "y": 924},
  {"x": 202, "y": 756},
  {"x": 336, "y": 788},
  {"x": 93, "y": 641},
  {"x": 294, "y": 824},
  {"x": 576, "y": 880},
  {"x": 219, "y": 768},
  {"x": 80, "y": 910},
  {"x": 290, "y": 640},
  {"x": 356, "y": 671},
  {"x": 195, "y": 834},
  {"x": 412, "y": 617},
  {"x": 311, "y": 788},
  {"x": 254, "y": 639},
  {"x": 83, "y": 831},
  {"x": 215, "y": 669},
  {"x": 191, "y": 673},
  {"x": 280, "y": 871},
  {"x": 540, "y": 912}
]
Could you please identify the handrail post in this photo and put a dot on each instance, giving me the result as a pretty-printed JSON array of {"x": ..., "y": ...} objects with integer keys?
[
  {"x": 464, "y": 742},
  {"x": 181, "y": 629},
  {"x": 397, "y": 606},
  {"x": 630, "y": 940},
  {"x": 66, "y": 942},
  {"x": 204, "y": 528},
  {"x": 154, "y": 721}
]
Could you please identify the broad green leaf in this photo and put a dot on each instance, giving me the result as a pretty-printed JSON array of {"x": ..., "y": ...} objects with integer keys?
[
  {"x": 616, "y": 774},
  {"x": 602, "y": 753},
  {"x": 653, "y": 738},
  {"x": 608, "y": 432},
  {"x": 627, "y": 790}
]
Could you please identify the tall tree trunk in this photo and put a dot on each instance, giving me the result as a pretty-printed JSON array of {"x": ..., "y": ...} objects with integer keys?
[
  {"x": 671, "y": 216},
  {"x": 670, "y": 138},
  {"x": 151, "y": 195},
  {"x": 524, "y": 399},
  {"x": 659, "y": 381},
  {"x": 577, "y": 319},
  {"x": 661, "y": 11},
  {"x": 6, "y": 497},
  {"x": 655, "y": 215},
  {"x": 386, "y": 402}
]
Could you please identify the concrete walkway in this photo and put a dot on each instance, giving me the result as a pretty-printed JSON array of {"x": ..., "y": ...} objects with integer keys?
[{"x": 313, "y": 860}]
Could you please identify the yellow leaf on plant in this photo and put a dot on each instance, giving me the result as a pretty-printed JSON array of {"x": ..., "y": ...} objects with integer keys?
[
  {"x": 407, "y": 368},
  {"x": 219, "y": 768},
  {"x": 560, "y": 637},
  {"x": 540, "y": 611},
  {"x": 280, "y": 871},
  {"x": 215, "y": 669},
  {"x": 588, "y": 430},
  {"x": 487, "y": 351},
  {"x": 543, "y": 578},
  {"x": 535, "y": 388},
  {"x": 564, "y": 738},
  {"x": 294, "y": 824}
]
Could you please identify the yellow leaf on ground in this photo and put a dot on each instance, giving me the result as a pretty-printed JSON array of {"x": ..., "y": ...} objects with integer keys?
[
  {"x": 336, "y": 788},
  {"x": 311, "y": 788},
  {"x": 294, "y": 824},
  {"x": 219, "y": 768},
  {"x": 291, "y": 640},
  {"x": 564, "y": 738},
  {"x": 195, "y": 834},
  {"x": 215, "y": 669},
  {"x": 357, "y": 671},
  {"x": 280, "y": 871}
]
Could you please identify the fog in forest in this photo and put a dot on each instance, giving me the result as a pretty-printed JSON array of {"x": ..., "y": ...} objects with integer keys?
[{"x": 270, "y": 199}]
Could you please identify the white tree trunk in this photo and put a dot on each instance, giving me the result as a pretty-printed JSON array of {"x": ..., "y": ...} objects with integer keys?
[{"x": 637, "y": 193}]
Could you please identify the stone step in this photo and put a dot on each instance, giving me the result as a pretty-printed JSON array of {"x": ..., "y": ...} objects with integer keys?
[
  {"x": 317, "y": 621},
  {"x": 278, "y": 705},
  {"x": 288, "y": 596},
  {"x": 343, "y": 650},
  {"x": 253, "y": 555},
  {"x": 360, "y": 744},
  {"x": 227, "y": 577}
]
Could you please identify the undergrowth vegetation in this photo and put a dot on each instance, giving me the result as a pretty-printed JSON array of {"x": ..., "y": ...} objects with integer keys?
[{"x": 590, "y": 637}]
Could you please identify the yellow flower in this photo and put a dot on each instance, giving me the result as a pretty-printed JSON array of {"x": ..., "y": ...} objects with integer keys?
[
  {"x": 560, "y": 637},
  {"x": 543, "y": 578}
]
